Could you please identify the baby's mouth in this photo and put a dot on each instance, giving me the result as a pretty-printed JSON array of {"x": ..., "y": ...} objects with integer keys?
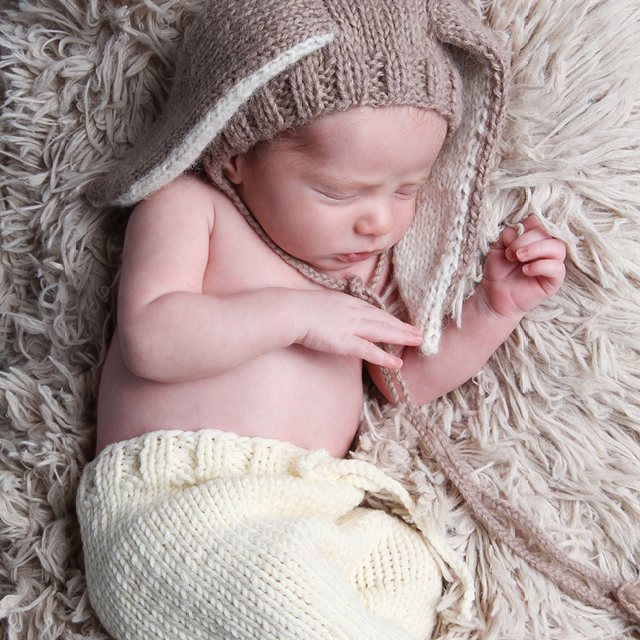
[{"x": 355, "y": 257}]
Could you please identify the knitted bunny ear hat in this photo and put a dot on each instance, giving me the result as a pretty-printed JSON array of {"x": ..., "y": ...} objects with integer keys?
[{"x": 251, "y": 69}]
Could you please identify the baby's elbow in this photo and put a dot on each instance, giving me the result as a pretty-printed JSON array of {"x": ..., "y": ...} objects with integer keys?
[{"x": 139, "y": 354}]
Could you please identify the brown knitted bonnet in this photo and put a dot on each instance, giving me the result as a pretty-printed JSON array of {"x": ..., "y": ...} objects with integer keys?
[{"x": 251, "y": 69}]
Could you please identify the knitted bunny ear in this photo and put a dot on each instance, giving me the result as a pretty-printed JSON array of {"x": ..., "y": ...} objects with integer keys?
[
  {"x": 229, "y": 54},
  {"x": 430, "y": 262}
]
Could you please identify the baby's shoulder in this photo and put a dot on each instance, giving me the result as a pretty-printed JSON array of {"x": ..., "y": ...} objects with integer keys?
[
  {"x": 185, "y": 188},
  {"x": 187, "y": 196}
]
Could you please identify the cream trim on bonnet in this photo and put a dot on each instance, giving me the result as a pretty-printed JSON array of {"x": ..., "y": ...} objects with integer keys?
[{"x": 183, "y": 156}]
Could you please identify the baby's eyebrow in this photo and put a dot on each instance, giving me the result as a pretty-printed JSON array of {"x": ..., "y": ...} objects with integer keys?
[
  {"x": 329, "y": 179},
  {"x": 354, "y": 183},
  {"x": 348, "y": 183}
]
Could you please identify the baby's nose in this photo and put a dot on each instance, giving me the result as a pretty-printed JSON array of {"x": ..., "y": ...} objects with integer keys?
[{"x": 376, "y": 221}]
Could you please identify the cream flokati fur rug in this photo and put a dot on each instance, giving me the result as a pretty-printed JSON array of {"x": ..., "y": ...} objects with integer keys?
[{"x": 552, "y": 422}]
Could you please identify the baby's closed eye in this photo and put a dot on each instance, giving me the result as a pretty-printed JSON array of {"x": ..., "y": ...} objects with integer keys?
[
  {"x": 337, "y": 196},
  {"x": 408, "y": 192}
]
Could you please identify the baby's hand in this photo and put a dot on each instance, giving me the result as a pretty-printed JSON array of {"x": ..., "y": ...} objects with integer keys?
[
  {"x": 338, "y": 323},
  {"x": 522, "y": 271}
]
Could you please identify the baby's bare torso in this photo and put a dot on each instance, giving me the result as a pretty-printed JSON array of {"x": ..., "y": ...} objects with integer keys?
[{"x": 306, "y": 397}]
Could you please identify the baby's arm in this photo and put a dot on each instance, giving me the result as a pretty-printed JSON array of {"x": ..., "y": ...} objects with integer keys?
[
  {"x": 170, "y": 331},
  {"x": 520, "y": 272}
]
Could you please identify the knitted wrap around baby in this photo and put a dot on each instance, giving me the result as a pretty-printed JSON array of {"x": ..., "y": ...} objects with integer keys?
[{"x": 209, "y": 535}]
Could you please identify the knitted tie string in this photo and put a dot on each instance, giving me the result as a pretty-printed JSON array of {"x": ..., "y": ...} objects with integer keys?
[{"x": 623, "y": 599}]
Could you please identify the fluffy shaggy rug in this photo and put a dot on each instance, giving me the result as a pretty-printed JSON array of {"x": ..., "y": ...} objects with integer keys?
[{"x": 552, "y": 423}]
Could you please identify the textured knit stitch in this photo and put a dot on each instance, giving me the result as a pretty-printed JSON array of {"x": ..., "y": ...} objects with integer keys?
[
  {"x": 207, "y": 129},
  {"x": 211, "y": 535}
]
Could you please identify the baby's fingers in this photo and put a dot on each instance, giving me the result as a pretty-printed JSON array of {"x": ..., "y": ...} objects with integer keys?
[
  {"x": 390, "y": 330},
  {"x": 532, "y": 231},
  {"x": 550, "y": 273},
  {"x": 374, "y": 354},
  {"x": 546, "y": 248},
  {"x": 385, "y": 329}
]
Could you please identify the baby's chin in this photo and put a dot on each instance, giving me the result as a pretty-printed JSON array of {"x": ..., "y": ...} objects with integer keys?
[{"x": 347, "y": 265}]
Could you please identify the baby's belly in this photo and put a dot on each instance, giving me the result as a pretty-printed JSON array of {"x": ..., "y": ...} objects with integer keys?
[{"x": 311, "y": 399}]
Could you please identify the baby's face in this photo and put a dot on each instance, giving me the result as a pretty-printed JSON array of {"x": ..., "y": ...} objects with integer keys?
[{"x": 343, "y": 189}]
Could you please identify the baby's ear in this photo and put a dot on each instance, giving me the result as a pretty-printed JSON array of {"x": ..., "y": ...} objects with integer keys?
[{"x": 233, "y": 169}]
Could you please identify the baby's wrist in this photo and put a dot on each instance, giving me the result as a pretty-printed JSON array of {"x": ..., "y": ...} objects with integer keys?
[{"x": 479, "y": 308}]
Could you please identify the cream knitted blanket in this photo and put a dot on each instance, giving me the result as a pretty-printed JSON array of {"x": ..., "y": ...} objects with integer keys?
[
  {"x": 211, "y": 535},
  {"x": 553, "y": 420}
]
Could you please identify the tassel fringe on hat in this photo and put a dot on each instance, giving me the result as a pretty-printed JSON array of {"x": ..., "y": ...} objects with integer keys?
[{"x": 249, "y": 70}]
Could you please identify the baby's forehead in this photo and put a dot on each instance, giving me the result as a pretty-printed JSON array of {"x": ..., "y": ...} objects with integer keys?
[
  {"x": 362, "y": 146},
  {"x": 312, "y": 141},
  {"x": 332, "y": 133}
]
